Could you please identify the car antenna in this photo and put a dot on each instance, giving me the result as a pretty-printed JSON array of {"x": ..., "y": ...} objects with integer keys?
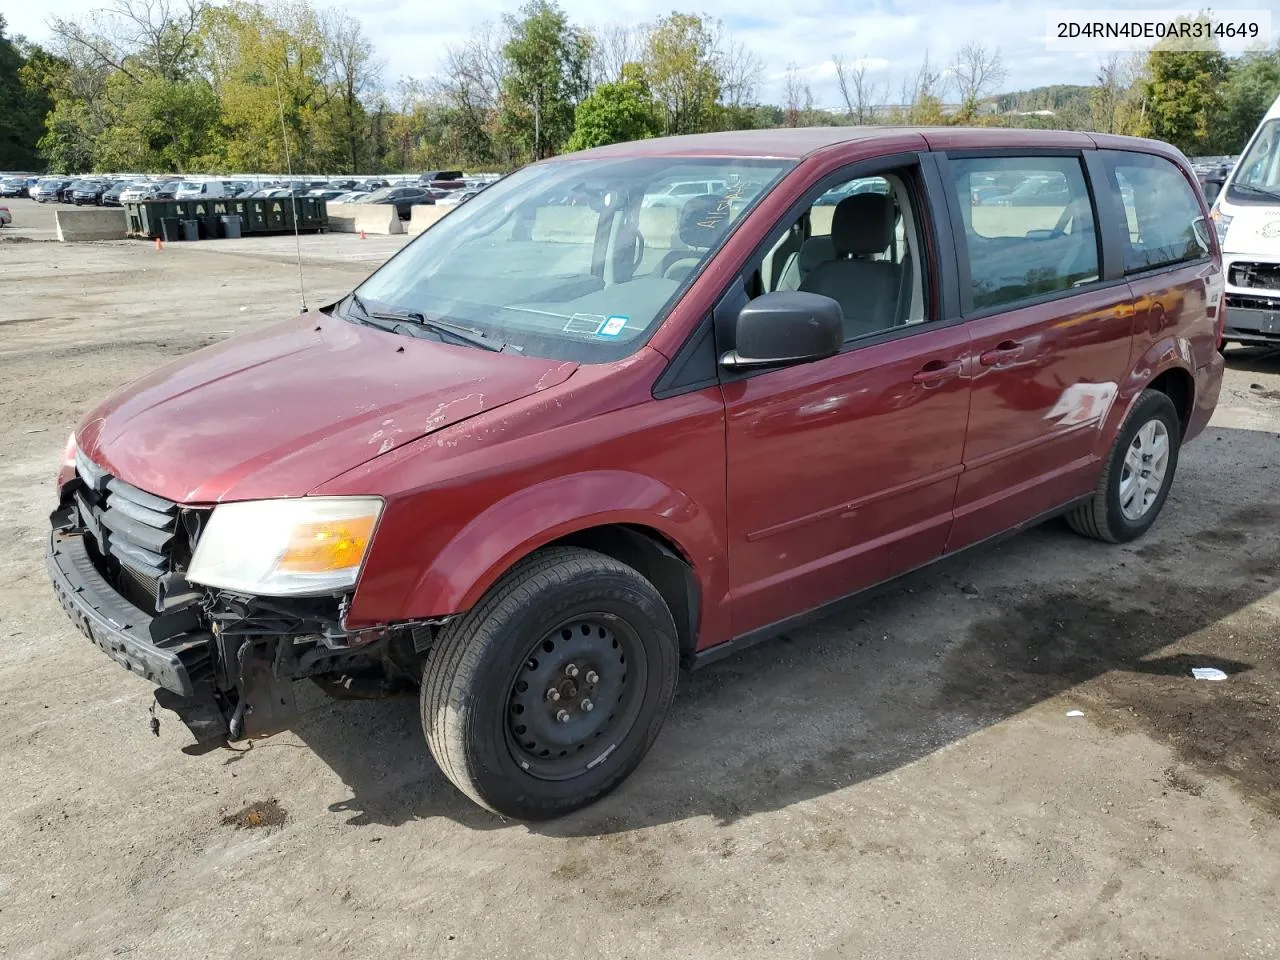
[{"x": 293, "y": 197}]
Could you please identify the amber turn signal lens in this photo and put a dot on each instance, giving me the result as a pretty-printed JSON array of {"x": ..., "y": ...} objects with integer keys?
[{"x": 325, "y": 545}]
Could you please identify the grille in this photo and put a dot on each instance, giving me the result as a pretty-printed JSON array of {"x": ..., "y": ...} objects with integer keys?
[
  {"x": 1260, "y": 276},
  {"x": 140, "y": 531},
  {"x": 1245, "y": 302}
]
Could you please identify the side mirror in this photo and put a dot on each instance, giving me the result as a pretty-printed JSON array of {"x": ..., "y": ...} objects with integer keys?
[
  {"x": 785, "y": 327},
  {"x": 1201, "y": 233}
]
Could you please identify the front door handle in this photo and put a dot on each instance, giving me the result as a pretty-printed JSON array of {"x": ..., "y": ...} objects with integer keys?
[
  {"x": 936, "y": 371},
  {"x": 1002, "y": 353}
]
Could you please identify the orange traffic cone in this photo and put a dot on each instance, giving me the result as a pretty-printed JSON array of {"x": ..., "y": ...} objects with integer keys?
[
  {"x": 361, "y": 234},
  {"x": 159, "y": 245}
]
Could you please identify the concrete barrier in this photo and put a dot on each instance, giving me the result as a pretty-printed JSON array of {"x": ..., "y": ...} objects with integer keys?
[
  {"x": 424, "y": 215},
  {"x": 377, "y": 218},
  {"x": 369, "y": 217},
  {"x": 342, "y": 219},
  {"x": 105, "y": 224}
]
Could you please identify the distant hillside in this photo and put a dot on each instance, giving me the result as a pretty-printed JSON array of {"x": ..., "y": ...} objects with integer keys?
[{"x": 1059, "y": 97}]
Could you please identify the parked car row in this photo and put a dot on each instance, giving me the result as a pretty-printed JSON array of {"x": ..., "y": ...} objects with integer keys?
[{"x": 118, "y": 189}]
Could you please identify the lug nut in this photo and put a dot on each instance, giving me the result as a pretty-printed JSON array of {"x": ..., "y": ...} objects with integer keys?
[
  {"x": 571, "y": 670},
  {"x": 592, "y": 676},
  {"x": 553, "y": 694},
  {"x": 563, "y": 716},
  {"x": 588, "y": 706}
]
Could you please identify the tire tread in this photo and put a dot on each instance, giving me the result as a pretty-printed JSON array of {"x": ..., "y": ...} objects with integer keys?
[{"x": 455, "y": 657}]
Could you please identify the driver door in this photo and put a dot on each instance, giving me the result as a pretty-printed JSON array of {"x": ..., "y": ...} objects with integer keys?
[{"x": 842, "y": 472}]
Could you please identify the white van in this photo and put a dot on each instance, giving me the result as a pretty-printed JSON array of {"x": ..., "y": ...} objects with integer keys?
[
  {"x": 199, "y": 190},
  {"x": 1246, "y": 214}
]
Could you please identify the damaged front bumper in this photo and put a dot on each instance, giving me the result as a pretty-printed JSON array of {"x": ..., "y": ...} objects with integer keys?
[{"x": 225, "y": 664}]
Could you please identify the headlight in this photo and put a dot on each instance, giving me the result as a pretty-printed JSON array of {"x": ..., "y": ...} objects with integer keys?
[
  {"x": 1220, "y": 222},
  {"x": 276, "y": 548}
]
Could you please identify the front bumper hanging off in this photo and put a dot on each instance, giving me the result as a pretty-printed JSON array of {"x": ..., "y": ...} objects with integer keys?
[
  {"x": 160, "y": 648},
  {"x": 225, "y": 664}
]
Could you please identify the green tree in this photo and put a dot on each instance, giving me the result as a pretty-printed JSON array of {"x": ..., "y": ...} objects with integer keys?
[
  {"x": 23, "y": 105},
  {"x": 1183, "y": 97},
  {"x": 681, "y": 63},
  {"x": 547, "y": 77},
  {"x": 615, "y": 112},
  {"x": 1252, "y": 86}
]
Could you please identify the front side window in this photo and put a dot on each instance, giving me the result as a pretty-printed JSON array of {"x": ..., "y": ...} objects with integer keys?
[
  {"x": 858, "y": 244},
  {"x": 1029, "y": 226},
  {"x": 575, "y": 259},
  {"x": 1161, "y": 211}
]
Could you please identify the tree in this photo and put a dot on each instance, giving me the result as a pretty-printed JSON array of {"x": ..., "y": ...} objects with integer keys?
[
  {"x": 1183, "y": 96},
  {"x": 547, "y": 76},
  {"x": 469, "y": 87},
  {"x": 133, "y": 95},
  {"x": 615, "y": 112},
  {"x": 613, "y": 46},
  {"x": 24, "y": 103},
  {"x": 860, "y": 94},
  {"x": 1251, "y": 87},
  {"x": 740, "y": 70},
  {"x": 682, "y": 65},
  {"x": 352, "y": 74},
  {"x": 799, "y": 97},
  {"x": 975, "y": 71}
]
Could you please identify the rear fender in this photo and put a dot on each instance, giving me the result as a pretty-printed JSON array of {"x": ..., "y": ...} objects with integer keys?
[
  {"x": 513, "y": 528},
  {"x": 1165, "y": 354}
]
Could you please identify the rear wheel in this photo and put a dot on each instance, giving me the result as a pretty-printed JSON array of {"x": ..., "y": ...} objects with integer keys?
[
  {"x": 1136, "y": 479},
  {"x": 547, "y": 694}
]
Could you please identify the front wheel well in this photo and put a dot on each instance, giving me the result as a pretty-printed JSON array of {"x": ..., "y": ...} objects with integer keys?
[
  {"x": 658, "y": 560},
  {"x": 1180, "y": 387}
]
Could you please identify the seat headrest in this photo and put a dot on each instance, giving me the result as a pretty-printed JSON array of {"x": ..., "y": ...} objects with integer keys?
[
  {"x": 703, "y": 219},
  {"x": 862, "y": 224}
]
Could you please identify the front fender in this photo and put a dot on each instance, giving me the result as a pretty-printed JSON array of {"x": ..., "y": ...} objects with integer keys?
[
  {"x": 1167, "y": 353},
  {"x": 512, "y": 528}
]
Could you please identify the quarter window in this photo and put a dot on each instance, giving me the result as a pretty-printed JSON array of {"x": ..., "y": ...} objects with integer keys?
[
  {"x": 1161, "y": 212},
  {"x": 1029, "y": 226}
]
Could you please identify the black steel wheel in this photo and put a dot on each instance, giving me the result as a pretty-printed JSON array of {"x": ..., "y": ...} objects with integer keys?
[
  {"x": 549, "y": 692},
  {"x": 577, "y": 692}
]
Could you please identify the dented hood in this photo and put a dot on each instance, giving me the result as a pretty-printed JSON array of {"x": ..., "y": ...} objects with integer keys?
[{"x": 276, "y": 413}]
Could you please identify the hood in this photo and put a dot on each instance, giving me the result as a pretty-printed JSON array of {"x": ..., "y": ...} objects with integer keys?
[
  {"x": 276, "y": 413},
  {"x": 1254, "y": 228}
]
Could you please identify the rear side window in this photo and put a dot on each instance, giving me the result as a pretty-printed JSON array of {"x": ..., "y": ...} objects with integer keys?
[
  {"x": 1161, "y": 211},
  {"x": 1029, "y": 226}
]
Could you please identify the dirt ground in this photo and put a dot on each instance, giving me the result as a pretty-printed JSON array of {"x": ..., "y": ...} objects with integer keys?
[{"x": 900, "y": 780}]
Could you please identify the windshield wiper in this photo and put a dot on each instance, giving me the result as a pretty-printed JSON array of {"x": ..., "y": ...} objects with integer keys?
[
  {"x": 442, "y": 328},
  {"x": 418, "y": 324},
  {"x": 1260, "y": 191},
  {"x": 389, "y": 323}
]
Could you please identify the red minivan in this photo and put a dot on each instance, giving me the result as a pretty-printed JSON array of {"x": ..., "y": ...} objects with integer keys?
[{"x": 567, "y": 440}]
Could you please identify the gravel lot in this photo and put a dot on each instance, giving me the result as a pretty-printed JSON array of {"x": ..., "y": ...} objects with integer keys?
[{"x": 899, "y": 780}]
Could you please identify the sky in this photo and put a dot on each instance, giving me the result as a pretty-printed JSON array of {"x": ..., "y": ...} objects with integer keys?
[{"x": 891, "y": 36}]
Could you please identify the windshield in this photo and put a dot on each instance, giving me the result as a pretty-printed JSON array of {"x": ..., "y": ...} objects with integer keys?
[
  {"x": 188, "y": 185},
  {"x": 566, "y": 260},
  {"x": 1259, "y": 169}
]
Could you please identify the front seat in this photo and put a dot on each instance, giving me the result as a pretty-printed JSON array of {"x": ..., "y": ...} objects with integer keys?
[
  {"x": 702, "y": 220},
  {"x": 866, "y": 289}
]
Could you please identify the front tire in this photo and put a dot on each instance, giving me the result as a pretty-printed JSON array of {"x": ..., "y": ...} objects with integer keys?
[
  {"x": 549, "y": 692},
  {"x": 1137, "y": 476}
]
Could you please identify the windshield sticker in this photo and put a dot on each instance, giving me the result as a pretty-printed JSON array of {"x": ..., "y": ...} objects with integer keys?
[
  {"x": 584, "y": 323},
  {"x": 614, "y": 326}
]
